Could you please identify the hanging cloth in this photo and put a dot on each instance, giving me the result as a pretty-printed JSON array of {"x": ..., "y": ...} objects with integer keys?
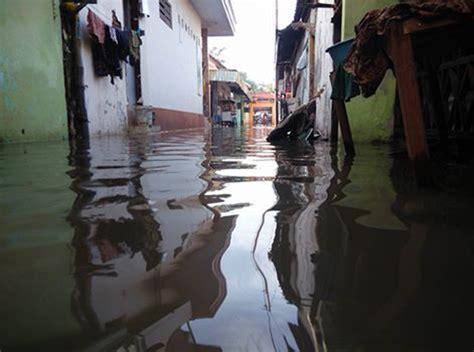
[
  {"x": 112, "y": 57},
  {"x": 344, "y": 87},
  {"x": 135, "y": 42},
  {"x": 113, "y": 34},
  {"x": 96, "y": 27},
  {"x": 115, "y": 21},
  {"x": 123, "y": 40}
]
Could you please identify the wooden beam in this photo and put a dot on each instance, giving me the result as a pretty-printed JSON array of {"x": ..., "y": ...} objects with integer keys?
[
  {"x": 401, "y": 52},
  {"x": 341, "y": 113},
  {"x": 312, "y": 64}
]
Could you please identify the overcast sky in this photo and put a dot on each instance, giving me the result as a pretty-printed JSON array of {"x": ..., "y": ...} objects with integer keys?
[{"x": 252, "y": 49}]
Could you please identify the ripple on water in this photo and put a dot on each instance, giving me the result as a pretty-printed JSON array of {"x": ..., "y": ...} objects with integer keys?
[{"x": 222, "y": 241}]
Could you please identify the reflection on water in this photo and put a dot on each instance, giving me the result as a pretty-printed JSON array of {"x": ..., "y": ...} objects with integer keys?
[{"x": 192, "y": 242}]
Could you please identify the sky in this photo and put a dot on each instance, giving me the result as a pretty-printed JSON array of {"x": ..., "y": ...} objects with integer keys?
[{"x": 252, "y": 48}]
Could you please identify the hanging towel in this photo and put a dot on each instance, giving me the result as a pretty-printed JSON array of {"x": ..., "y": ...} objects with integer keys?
[{"x": 96, "y": 27}]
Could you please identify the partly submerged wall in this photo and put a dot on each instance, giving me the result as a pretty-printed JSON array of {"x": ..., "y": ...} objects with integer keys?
[
  {"x": 371, "y": 119},
  {"x": 106, "y": 103},
  {"x": 32, "y": 97}
]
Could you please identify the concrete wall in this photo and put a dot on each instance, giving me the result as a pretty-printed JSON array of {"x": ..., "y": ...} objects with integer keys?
[
  {"x": 371, "y": 119},
  {"x": 32, "y": 98},
  {"x": 106, "y": 103},
  {"x": 171, "y": 59}
]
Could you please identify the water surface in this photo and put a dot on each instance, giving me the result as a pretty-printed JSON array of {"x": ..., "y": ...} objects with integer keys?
[{"x": 197, "y": 242}]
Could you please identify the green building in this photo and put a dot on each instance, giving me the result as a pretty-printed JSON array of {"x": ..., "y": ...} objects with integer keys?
[
  {"x": 371, "y": 118},
  {"x": 32, "y": 96}
]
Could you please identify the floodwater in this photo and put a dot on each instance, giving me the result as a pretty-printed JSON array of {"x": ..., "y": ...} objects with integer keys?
[{"x": 187, "y": 242}]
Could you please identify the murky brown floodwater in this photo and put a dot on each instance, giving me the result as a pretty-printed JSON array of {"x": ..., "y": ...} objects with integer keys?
[{"x": 181, "y": 242}]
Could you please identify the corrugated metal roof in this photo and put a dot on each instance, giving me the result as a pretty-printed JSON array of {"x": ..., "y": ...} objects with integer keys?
[
  {"x": 230, "y": 76},
  {"x": 288, "y": 40}
]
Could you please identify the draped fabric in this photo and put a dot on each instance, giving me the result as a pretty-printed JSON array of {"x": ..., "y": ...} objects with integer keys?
[{"x": 367, "y": 60}]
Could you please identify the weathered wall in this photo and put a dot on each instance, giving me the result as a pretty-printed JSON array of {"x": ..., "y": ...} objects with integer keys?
[
  {"x": 106, "y": 103},
  {"x": 32, "y": 97},
  {"x": 171, "y": 59},
  {"x": 371, "y": 119},
  {"x": 324, "y": 66},
  {"x": 301, "y": 91}
]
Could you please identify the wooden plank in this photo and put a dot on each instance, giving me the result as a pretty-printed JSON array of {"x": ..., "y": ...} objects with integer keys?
[
  {"x": 312, "y": 64},
  {"x": 341, "y": 113},
  {"x": 401, "y": 52}
]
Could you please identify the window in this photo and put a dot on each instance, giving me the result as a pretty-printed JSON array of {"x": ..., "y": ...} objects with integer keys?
[{"x": 166, "y": 13}]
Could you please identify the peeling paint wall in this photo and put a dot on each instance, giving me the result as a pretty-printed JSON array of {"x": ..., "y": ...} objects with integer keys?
[
  {"x": 371, "y": 119},
  {"x": 324, "y": 65},
  {"x": 106, "y": 103},
  {"x": 32, "y": 96}
]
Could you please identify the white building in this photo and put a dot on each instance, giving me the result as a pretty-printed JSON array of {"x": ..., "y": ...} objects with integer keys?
[{"x": 169, "y": 79}]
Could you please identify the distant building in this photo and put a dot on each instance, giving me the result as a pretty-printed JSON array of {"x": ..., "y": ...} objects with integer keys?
[
  {"x": 230, "y": 93},
  {"x": 303, "y": 66},
  {"x": 263, "y": 104}
]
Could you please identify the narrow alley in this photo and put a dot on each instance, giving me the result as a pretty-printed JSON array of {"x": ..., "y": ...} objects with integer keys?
[{"x": 236, "y": 175}]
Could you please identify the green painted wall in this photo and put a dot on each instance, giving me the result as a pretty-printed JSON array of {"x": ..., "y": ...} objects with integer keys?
[
  {"x": 32, "y": 97},
  {"x": 371, "y": 118}
]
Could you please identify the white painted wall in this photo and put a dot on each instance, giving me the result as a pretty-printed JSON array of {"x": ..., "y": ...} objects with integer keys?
[
  {"x": 324, "y": 66},
  {"x": 106, "y": 104},
  {"x": 171, "y": 59}
]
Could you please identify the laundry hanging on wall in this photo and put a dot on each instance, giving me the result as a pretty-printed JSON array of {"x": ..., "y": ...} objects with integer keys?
[{"x": 111, "y": 45}]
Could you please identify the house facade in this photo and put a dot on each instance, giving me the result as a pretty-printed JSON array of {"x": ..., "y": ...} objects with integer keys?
[
  {"x": 97, "y": 67},
  {"x": 167, "y": 82},
  {"x": 263, "y": 103},
  {"x": 229, "y": 94}
]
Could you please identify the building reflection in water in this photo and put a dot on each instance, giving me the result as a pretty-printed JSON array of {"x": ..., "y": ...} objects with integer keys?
[
  {"x": 147, "y": 247},
  {"x": 305, "y": 272},
  {"x": 383, "y": 265},
  {"x": 183, "y": 244}
]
